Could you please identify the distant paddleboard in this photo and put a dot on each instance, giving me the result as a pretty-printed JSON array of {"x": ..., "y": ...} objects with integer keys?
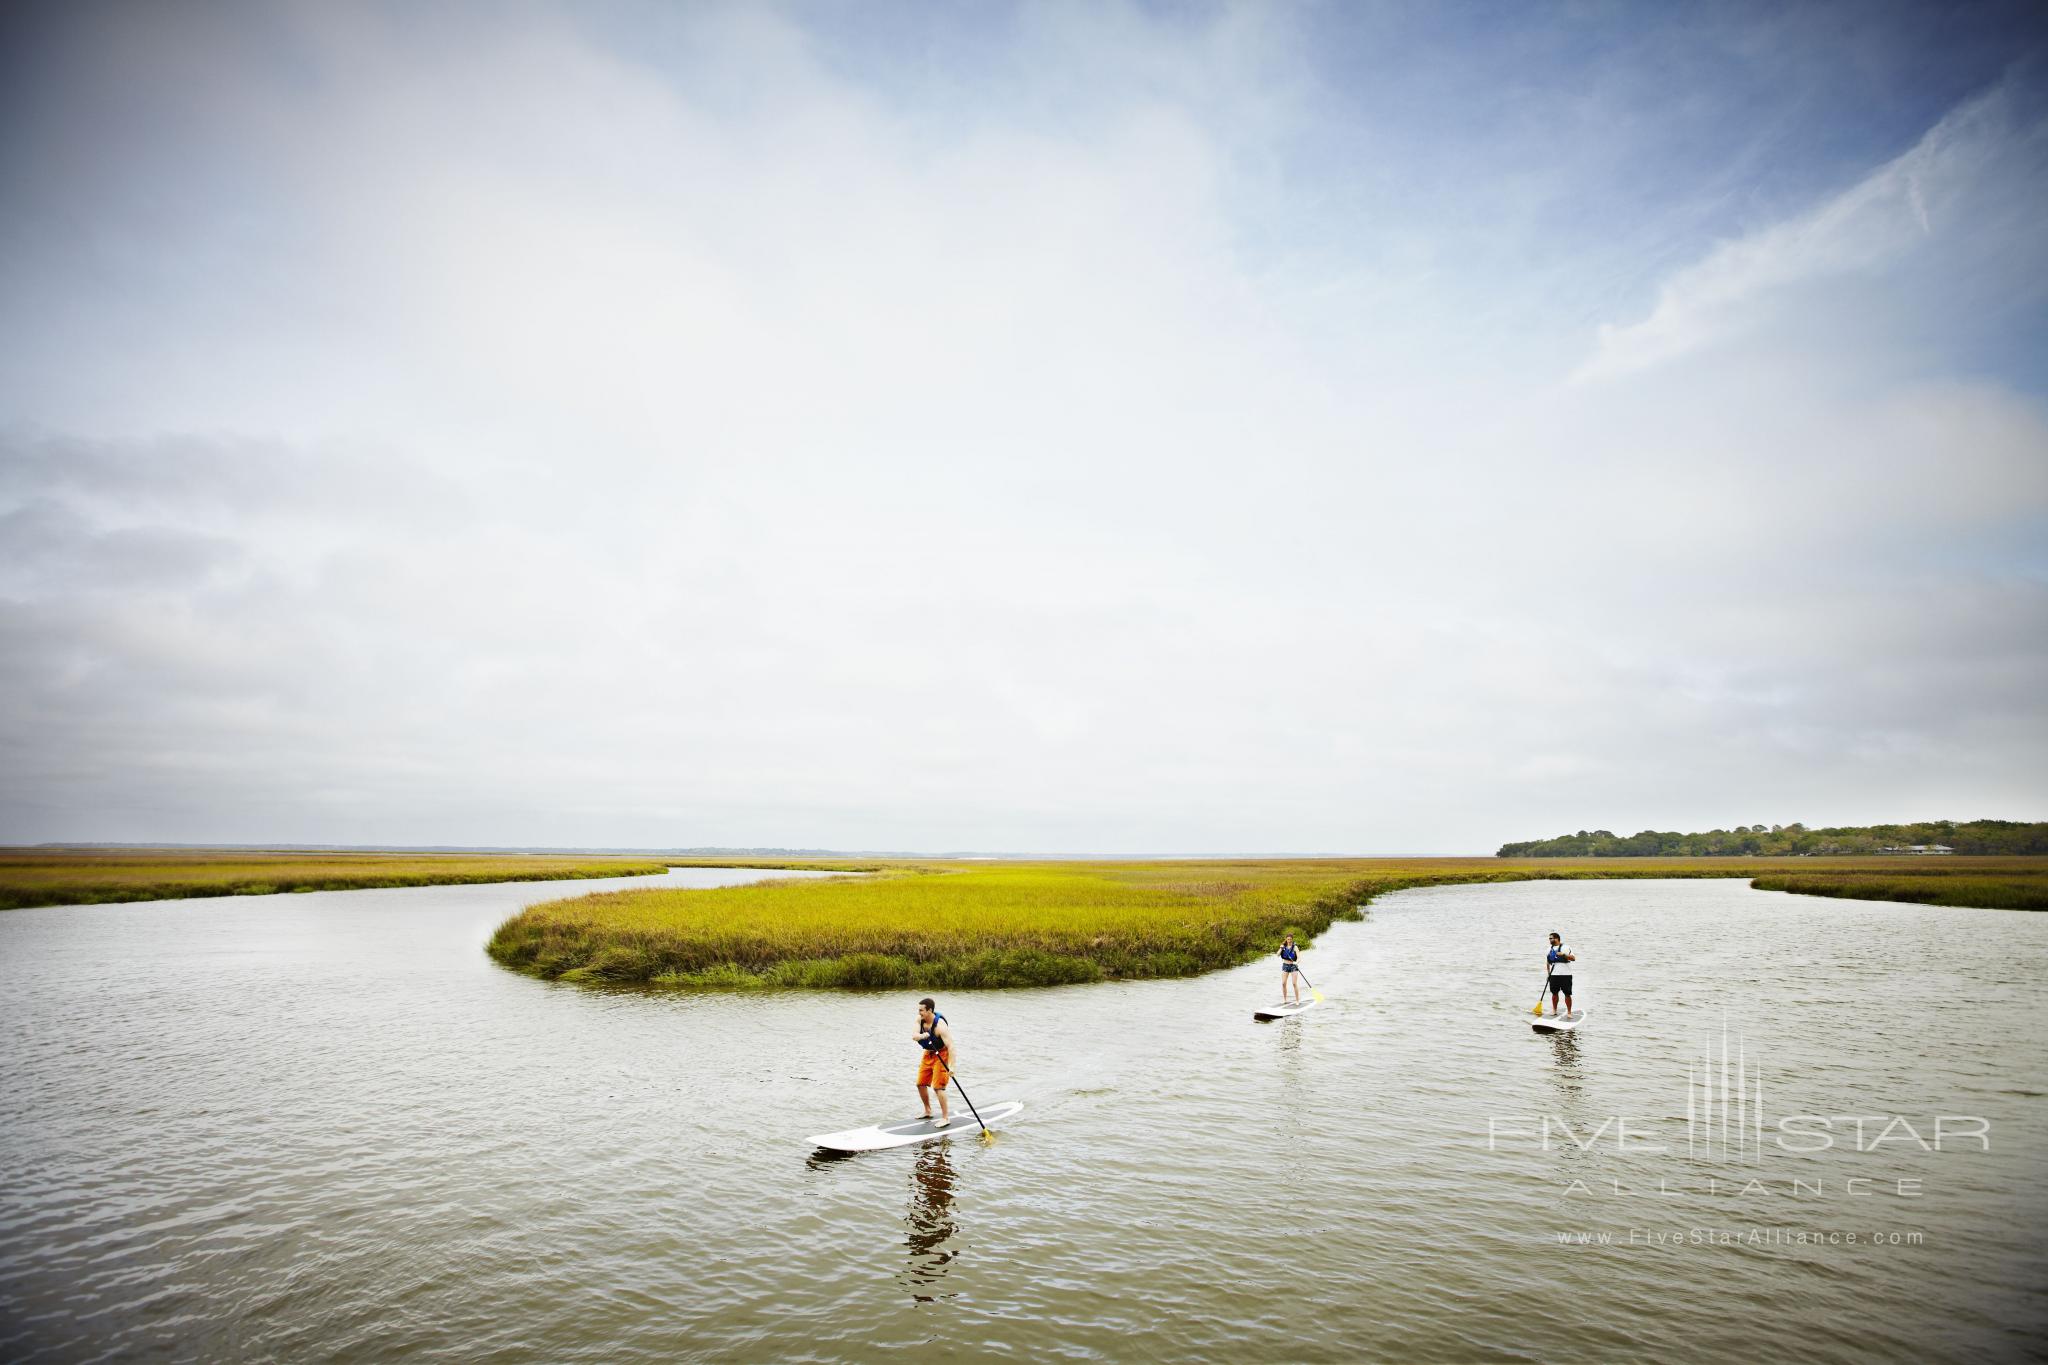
[
  {"x": 1284, "y": 1011},
  {"x": 913, "y": 1130},
  {"x": 1559, "y": 1023}
]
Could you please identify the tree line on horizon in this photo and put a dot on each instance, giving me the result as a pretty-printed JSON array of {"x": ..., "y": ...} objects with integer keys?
[{"x": 1994, "y": 837}]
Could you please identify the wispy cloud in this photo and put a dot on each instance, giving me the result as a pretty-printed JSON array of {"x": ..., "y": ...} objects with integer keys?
[{"x": 1995, "y": 146}]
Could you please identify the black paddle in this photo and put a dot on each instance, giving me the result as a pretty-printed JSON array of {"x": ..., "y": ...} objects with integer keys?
[{"x": 987, "y": 1133}]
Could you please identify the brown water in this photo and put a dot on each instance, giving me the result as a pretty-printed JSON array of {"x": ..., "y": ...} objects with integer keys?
[{"x": 327, "y": 1127}]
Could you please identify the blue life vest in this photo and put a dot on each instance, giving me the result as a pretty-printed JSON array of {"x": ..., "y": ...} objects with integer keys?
[
  {"x": 931, "y": 1042},
  {"x": 1287, "y": 953}
]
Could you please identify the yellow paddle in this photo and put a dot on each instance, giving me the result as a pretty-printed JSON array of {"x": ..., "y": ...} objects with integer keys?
[
  {"x": 988, "y": 1134},
  {"x": 1310, "y": 984},
  {"x": 1547, "y": 972}
]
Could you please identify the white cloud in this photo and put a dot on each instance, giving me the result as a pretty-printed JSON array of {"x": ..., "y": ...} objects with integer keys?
[{"x": 517, "y": 439}]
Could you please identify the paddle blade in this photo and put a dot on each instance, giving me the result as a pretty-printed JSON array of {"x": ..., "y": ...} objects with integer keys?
[
  {"x": 988, "y": 1137},
  {"x": 1538, "y": 1009},
  {"x": 1317, "y": 994}
]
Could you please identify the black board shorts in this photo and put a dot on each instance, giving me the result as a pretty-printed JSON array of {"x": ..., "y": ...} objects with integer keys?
[
  {"x": 1562, "y": 984},
  {"x": 1289, "y": 967}
]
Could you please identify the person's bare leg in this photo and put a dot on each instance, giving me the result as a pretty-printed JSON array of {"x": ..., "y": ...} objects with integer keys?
[{"x": 924, "y": 1097}]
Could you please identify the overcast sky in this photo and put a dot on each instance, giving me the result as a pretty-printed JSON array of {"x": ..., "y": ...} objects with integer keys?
[{"x": 1062, "y": 428}]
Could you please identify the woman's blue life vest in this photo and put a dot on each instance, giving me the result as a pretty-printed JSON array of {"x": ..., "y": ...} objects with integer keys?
[
  {"x": 930, "y": 1040},
  {"x": 1288, "y": 953}
]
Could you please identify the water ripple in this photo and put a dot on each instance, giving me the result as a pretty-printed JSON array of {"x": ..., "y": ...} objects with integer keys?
[{"x": 325, "y": 1126}]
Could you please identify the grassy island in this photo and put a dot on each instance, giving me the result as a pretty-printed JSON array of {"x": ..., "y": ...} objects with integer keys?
[
  {"x": 934, "y": 924},
  {"x": 34, "y": 876},
  {"x": 968, "y": 924}
]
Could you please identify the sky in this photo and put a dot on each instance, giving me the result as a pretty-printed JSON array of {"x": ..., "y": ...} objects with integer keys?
[{"x": 1052, "y": 428}]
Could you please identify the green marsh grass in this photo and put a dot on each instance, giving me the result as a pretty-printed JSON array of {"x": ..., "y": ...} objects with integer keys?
[
  {"x": 1984, "y": 883},
  {"x": 952, "y": 925}
]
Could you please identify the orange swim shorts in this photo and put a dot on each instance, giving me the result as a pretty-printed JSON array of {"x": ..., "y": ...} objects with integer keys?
[{"x": 931, "y": 1069}]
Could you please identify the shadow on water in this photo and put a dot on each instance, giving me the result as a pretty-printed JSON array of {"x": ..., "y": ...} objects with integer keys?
[{"x": 930, "y": 1221}]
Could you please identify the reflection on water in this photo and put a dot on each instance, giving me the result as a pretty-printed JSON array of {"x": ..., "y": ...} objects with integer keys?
[
  {"x": 1565, "y": 1048},
  {"x": 930, "y": 1220},
  {"x": 1290, "y": 1043},
  {"x": 1575, "y": 1143}
]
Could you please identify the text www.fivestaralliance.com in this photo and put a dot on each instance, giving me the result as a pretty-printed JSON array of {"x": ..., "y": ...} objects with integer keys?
[{"x": 1751, "y": 1236}]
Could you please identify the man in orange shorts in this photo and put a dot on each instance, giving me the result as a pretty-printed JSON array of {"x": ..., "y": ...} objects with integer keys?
[{"x": 935, "y": 1066}]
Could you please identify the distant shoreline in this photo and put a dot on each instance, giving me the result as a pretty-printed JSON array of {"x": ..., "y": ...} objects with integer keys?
[
  {"x": 37, "y": 877},
  {"x": 105, "y": 874}
]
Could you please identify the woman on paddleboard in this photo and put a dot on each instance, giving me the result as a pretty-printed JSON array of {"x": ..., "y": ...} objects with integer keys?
[
  {"x": 1290, "y": 970},
  {"x": 1559, "y": 963},
  {"x": 934, "y": 1067}
]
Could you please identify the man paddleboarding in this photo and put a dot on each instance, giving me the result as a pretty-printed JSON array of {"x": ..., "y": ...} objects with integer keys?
[
  {"x": 934, "y": 1067},
  {"x": 1559, "y": 963},
  {"x": 1290, "y": 969}
]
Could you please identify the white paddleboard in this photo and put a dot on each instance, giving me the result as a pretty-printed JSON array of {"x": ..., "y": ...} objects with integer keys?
[
  {"x": 904, "y": 1132},
  {"x": 1559, "y": 1023},
  {"x": 1286, "y": 1010}
]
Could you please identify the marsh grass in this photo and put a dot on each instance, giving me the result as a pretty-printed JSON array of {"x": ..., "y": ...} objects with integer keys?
[
  {"x": 2021, "y": 885},
  {"x": 952, "y": 925},
  {"x": 83, "y": 877}
]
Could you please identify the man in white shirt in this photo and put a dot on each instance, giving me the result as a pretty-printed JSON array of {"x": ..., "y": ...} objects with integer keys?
[{"x": 1559, "y": 961}]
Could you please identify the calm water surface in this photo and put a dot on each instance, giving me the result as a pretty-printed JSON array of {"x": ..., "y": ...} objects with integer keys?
[{"x": 327, "y": 1127}]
